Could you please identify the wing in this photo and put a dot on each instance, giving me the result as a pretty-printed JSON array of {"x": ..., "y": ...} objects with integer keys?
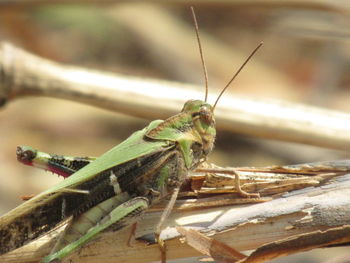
[{"x": 35, "y": 217}]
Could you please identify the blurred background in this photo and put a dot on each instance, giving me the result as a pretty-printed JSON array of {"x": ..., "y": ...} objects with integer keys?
[{"x": 305, "y": 58}]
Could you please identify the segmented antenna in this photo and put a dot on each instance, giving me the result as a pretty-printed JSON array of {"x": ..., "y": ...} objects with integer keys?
[
  {"x": 201, "y": 53},
  {"x": 238, "y": 71}
]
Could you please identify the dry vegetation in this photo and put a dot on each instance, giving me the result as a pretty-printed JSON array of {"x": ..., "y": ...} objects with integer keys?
[{"x": 305, "y": 59}]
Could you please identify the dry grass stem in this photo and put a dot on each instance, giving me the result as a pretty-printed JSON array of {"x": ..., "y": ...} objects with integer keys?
[
  {"x": 25, "y": 74},
  {"x": 319, "y": 210}
]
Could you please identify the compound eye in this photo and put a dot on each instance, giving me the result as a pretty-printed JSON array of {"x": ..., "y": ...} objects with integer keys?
[{"x": 206, "y": 114}]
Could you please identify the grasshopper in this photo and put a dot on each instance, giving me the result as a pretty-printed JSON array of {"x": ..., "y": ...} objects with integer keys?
[{"x": 113, "y": 190}]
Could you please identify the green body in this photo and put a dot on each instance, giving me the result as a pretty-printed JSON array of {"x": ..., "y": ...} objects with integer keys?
[{"x": 122, "y": 183}]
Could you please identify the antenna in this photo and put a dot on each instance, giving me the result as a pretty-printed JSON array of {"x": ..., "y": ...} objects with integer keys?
[
  {"x": 201, "y": 53},
  {"x": 238, "y": 71}
]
